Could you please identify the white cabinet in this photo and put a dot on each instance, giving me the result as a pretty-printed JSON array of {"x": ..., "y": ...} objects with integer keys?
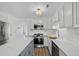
[
  {"x": 69, "y": 15},
  {"x": 76, "y": 14},
  {"x": 55, "y": 19},
  {"x": 60, "y": 16},
  {"x": 65, "y": 15}
]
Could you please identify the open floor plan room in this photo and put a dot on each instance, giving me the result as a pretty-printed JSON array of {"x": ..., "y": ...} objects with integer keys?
[{"x": 39, "y": 28}]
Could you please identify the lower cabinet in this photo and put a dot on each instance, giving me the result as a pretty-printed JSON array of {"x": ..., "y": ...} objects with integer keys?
[
  {"x": 55, "y": 49},
  {"x": 28, "y": 51}
]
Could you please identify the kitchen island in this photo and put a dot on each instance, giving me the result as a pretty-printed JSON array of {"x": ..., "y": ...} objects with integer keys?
[
  {"x": 68, "y": 47},
  {"x": 14, "y": 47}
]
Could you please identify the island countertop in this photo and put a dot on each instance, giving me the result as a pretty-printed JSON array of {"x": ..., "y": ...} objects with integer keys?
[
  {"x": 70, "y": 48},
  {"x": 14, "y": 47}
]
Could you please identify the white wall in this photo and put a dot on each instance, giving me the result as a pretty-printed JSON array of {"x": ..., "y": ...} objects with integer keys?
[
  {"x": 14, "y": 26},
  {"x": 70, "y": 35}
]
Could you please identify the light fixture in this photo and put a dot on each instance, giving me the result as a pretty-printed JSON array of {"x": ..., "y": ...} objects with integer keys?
[
  {"x": 39, "y": 12},
  {"x": 40, "y": 9}
]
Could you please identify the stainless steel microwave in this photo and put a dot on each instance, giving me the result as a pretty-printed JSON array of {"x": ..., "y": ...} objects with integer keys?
[{"x": 38, "y": 26}]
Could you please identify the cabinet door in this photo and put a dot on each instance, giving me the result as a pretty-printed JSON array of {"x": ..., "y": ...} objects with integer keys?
[
  {"x": 55, "y": 49},
  {"x": 67, "y": 14},
  {"x": 76, "y": 14},
  {"x": 55, "y": 18},
  {"x": 60, "y": 18}
]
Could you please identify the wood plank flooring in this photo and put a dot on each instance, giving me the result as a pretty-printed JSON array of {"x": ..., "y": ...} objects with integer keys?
[{"x": 41, "y": 51}]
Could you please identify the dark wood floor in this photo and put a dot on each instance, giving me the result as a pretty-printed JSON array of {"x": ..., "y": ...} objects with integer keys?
[{"x": 41, "y": 51}]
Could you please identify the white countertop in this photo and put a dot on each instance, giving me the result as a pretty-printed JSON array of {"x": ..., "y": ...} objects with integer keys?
[
  {"x": 68, "y": 47},
  {"x": 14, "y": 47}
]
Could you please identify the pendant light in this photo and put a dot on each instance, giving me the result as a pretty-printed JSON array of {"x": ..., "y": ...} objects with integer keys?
[{"x": 39, "y": 12}]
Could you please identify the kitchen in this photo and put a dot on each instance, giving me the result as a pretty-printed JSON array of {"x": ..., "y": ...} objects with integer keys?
[{"x": 39, "y": 28}]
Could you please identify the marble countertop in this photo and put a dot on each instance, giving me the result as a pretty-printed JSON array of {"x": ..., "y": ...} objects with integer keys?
[
  {"x": 14, "y": 47},
  {"x": 68, "y": 47}
]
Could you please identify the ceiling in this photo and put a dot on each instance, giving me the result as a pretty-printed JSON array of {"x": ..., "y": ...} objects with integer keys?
[{"x": 26, "y": 9}]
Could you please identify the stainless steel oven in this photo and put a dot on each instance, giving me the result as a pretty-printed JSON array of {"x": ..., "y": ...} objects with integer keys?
[{"x": 38, "y": 40}]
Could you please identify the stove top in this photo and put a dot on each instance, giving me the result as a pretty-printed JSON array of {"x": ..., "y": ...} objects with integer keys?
[{"x": 38, "y": 35}]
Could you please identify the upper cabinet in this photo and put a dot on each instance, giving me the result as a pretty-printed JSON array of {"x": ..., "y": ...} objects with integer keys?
[
  {"x": 60, "y": 18},
  {"x": 69, "y": 15},
  {"x": 55, "y": 17},
  {"x": 65, "y": 15},
  {"x": 76, "y": 14},
  {"x": 54, "y": 20}
]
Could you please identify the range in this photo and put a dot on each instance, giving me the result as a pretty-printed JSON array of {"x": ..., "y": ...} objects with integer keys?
[{"x": 38, "y": 40}]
